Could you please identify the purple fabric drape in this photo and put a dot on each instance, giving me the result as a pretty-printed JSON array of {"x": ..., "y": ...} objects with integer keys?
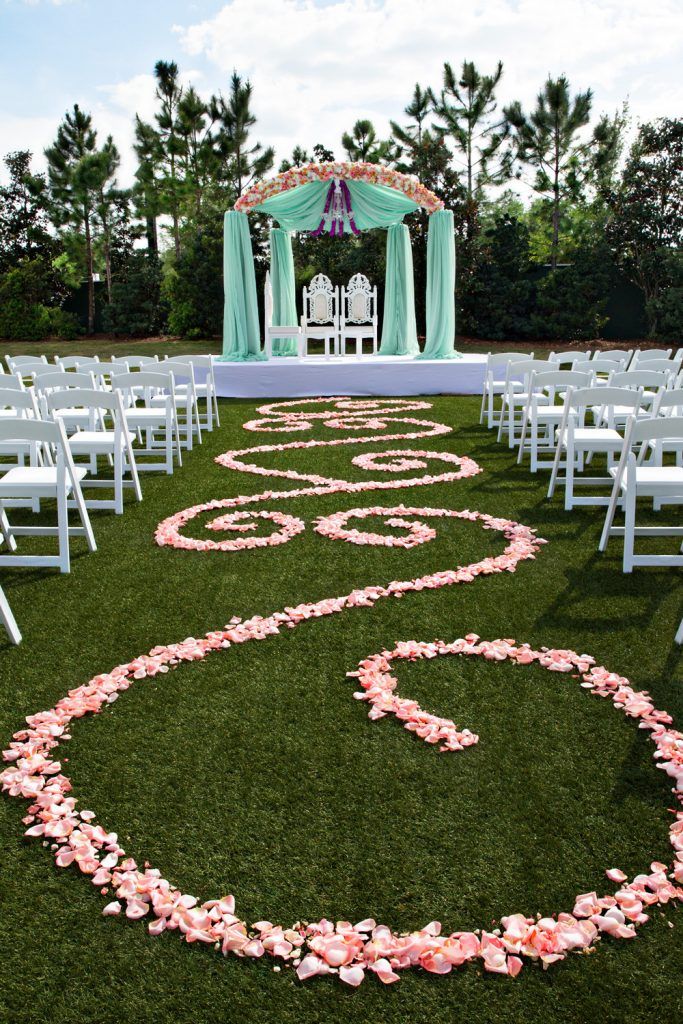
[{"x": 338, "y": 212}]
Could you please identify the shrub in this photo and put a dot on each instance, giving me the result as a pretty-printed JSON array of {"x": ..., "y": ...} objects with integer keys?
[
  {"x": 136, "y": 306},
  {"x": 571, "y": 301},
  {"x": 195, "y": 286}
]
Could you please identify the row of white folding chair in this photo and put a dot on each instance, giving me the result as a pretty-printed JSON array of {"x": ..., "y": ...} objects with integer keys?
[
  {"x": 518, "y": 399},
  {"x": 543, "y": 413}
]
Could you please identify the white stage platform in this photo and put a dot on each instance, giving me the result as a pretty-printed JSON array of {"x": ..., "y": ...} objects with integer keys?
[{"x": 373, "y": 375}]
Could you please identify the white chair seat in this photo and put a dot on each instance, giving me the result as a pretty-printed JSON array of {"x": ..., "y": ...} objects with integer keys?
[
  {"x": 654, "y": 481},
  {"x": 23, "y": 481},
  {"x": 550, "y": 412},
  {"x": 598, "y": 438},
  {"x": 87, "y": 441},
  {"x": 145, "y": 416}
]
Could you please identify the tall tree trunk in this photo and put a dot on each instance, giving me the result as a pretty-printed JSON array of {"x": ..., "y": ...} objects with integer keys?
[
  {"x": 89, "y": 265},
  {"x": 174, "y": 208},
  {"x": 151, "y": 234},
  {"x": 556, "y": 205}
]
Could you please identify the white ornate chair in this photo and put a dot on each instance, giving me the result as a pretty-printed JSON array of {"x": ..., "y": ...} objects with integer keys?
[
  {"x": 358, "y": 314},
  {"x": 320, "y": 318}
]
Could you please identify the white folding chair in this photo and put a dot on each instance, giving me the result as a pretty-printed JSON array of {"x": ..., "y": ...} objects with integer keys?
[
  {"x": 358, "y": 314},
  {"x": 156, "y": 421},
  {"x": 205, "y": 388},
  {"x": 576, "y": 440},
  {"x": 671, "y": 366},
  {"x": 15, "y": 362},
  {"x": 100, "y": 440},
  {"x": 26, "y": 369},
  {"x": 515, "y": 398},
  {"x": 186, "y": 398},
  {"x": 495, "y": 381},
  {"x": 633, "y": 479},
  {"x": 543, "y": 413},
  {"x": 61, "y": 482},
  {"x": 8, "y": 620},
  {"x": 320, "y": 318}
]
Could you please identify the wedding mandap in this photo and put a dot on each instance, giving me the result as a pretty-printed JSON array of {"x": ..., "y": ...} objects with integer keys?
[{"x": 338, "y": 199}]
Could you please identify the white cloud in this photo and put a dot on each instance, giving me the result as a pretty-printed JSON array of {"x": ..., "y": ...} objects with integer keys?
[{"x": 316, "y": 69}]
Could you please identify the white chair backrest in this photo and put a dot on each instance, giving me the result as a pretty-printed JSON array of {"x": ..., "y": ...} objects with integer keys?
[
  {"x": 570, "y": 356},
  {"x": 669, "y": 403},
  {"x": 50, "y": 370},
  {"x": 360, "y": 300},
  {"x": 523, "y": 369},
  {"x": 20, "y": 402},
  {"x": 182, "y": 369},
  {"x": 320, "y": 301},
  {"x": 61, "y": 381},
  {"x": 503, "y": 358},
  {"x": 645, "y": 355},
  {"x": 11, "y": 381},
  {"x": 72, "y": 362},
  {"x": 87, "y": 398},
  {"x": 45, "y": 431},
  {"x": 143, "y": 384},
  {"x": 623, "y": 355},
  {"x": 596, "y": 366},
  {"x": 605, "y": 399},
  {"x": 14, "y": 362},
  {"x": 639, "y": 378},
  {"x": 135, "y": 362},
  {"x": 560, "y": 379},
  {"x": 670, "y": 366},
  {"x": 200, "y": 360}
]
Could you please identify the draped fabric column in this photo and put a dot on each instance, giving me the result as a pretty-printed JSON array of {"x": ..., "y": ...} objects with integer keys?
[
  {"x": 399, "y": 333},
  {"x": 282, "y": 283},
  {"x": 241, "y": 329},
  {"x": 440, "y": 343}
]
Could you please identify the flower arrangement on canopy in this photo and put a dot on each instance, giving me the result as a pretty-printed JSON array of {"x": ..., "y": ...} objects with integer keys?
[{"x": 340, "y": 199}]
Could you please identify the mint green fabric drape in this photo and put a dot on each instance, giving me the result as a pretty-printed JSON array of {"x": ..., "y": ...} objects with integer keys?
[
  {"x": 378, "y": 206},
  {"x": 300, "y": 208},
  {"x": 399, "y": 333},
  {"x": 282, "y": 283},
  {"x": 241, "y": 329},
  {"x": 440, "y": 342}
]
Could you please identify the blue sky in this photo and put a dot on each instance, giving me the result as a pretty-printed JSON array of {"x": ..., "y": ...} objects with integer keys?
[{"x": 317, "y": 66}]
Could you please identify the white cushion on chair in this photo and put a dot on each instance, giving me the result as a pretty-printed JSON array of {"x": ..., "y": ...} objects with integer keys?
[
  {"x": 596, "y": 437},
  {"x": 86, "y": 441},
  {"x": 652, "y": 481}
]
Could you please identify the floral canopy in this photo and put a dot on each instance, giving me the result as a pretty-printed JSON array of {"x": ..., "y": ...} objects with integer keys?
[{"x": 340, "y": 199}]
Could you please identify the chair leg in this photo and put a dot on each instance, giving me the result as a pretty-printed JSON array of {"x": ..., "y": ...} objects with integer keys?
[
  {"x": 63, "y": 528},
  {"x": 679, "y": 633},
  {"x": 6, "y": 531},
  {"x": 501, "y": 421},
  {"x": 629, "y": 524},
  {"x": 483, "y": 404},
  {"x": 8, "y": 620},
  {"x": 118, "y": 477},
  {"x": 611, "y": 511}
]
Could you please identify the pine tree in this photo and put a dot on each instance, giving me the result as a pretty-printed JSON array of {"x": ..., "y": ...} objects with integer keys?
[
  {"x": 242, "y": 163},
  {"x": 548, "y": 139},
  {"x": 169, "y": 92},
  {"x": 466, "y": 109},
  {"x": 362, "y": 144},
  {"x": 74, "y": 182},
  {"x": 148, "y": 184}
]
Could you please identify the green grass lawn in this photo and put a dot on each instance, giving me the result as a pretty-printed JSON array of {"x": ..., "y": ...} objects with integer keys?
[{"x": 256, "y": 772}]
